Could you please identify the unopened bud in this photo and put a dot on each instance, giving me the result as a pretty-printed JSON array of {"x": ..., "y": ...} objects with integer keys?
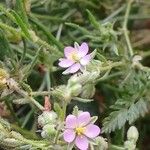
[
  {"x": 101, "y": 142},
  {"x": 88, "y": 91},
  {"x": 132, "y": 134},
  {"x": 136, "y": 61},
  {"x": 48, "y": 131},
  {"x": 129, "y": 145},
  {"x": 73, "y": 80},
  {"x": 76, "y": 89},
  {"x": 47, "y": 117}
]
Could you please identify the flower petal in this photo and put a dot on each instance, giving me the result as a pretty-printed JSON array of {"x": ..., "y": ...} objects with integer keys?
[
  {"x": 83, "y": 49},
  {"x": 71, "y": 121},
  {"x": 84, "y": 118},
  {"x": 82, "y": 142},
  {"x": 68, "y": 50},
  {"x": 75, "y": 67},
  {"x": 92, "y": 131},
  {"x": 67, "y": 71},
  {"x": 69, "y": 135},
  {"x": 65, "y": 63},
  {"x": 85, "y": 60}
]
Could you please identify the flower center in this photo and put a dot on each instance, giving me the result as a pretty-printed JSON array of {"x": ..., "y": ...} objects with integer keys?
[
  {"x": 80, "y": 130},
  {"x": 74, "y": 56}
]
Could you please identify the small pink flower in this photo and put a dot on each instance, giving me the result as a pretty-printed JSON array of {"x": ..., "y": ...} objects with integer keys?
[
  {"x": 80, "y": 130},
  {"x": 75, "y": 58}
]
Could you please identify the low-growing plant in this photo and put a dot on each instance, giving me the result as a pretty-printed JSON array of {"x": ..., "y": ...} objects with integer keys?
[{"x": 70, "y": 77}]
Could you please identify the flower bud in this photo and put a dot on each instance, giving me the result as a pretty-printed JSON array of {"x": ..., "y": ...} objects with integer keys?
[
  {"x": 136, "y": 61},
  {"x": 73, "y": 80},
  {"x": 101, "y": 142},
  {"x": 47, "y": 118},
  {"x": 88, "y": 91},
  {"x": 48, "y": 131},
  {"x": 132, "y": 134},
  {"x": 76, "y": 89},
  {"x": 129, "y": 145}
]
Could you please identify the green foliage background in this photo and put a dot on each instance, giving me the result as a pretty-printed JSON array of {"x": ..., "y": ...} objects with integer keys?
[{"x": 33, "y": 35}]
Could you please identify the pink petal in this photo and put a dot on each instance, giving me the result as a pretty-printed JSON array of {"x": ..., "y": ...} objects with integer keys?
[
  {"x": 68, "y": 50},
  {"x": 84, "y": 118},
  {"x": 69, "y": 135},
  {"x": 65, "y": 63},
  {"x": 92, "y": 131},
  {"x": 67, "y": 71},
  {"x": 83, "y": 49},
  {"x": 71, "y": 121},
  {"x": 85, "y": 60},
  {"x": 82, "y": 142},
  {"x": 74, "y": 68}
]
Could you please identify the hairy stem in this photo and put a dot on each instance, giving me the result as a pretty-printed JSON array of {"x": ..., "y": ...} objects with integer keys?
[{"x": 125, "y": 30}]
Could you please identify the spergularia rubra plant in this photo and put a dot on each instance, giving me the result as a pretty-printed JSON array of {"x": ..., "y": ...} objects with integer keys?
[
  {"x": 79, "y": 130},
  {"x": 76, "y": 58}
]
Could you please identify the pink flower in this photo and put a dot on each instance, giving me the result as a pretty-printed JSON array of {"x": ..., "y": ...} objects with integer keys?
[
  {"x": 75, "y": 58},
  {"x": 80, "y": 130}
]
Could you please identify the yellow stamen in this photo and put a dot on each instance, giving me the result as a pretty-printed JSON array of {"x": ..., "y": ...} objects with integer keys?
[
  {"x": 74, "y": 56},
  {"x": 80, "y": 130}
]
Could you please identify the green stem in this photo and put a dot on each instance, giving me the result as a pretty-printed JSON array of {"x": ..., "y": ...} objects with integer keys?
[
  {"x": 111, "y": 65},
  {"x": 31, "y": 99},
  {"x": 64, "y": 110},
  {"x": 59, "y": 128},
  {"x": 125, "y": 30},
  {"x": 57, "y": 134},
  {"x": 41, "y": 93},
  {"x": 114, "y": 147},
  {"x": 101, "y": 79}
]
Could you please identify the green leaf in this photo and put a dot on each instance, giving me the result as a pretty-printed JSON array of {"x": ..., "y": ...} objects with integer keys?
[
  {"x": 115, "y": 120},
  {"x": 20, "y": 9},
  {"x": 93, "y": 20},
  {"x": 83, "y": 30},
  {"x": 82, "y": 99},
  {"x": 59, "y": 111},
  {"x": 21, "y": 24},
  {"x": 101, "y": 57},
  {"x": 28, "y": 68},
  {"x": 4, "y": 46},
  {"x": 93, "y": 119},
  {"x": 49, "y": 35}
]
